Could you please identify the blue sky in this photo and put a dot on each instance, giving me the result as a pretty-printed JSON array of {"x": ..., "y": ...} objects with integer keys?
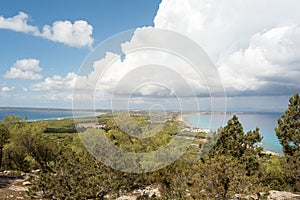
[
  {"x": 108, "y": 17},
  {"x": 254, "y": 45}
]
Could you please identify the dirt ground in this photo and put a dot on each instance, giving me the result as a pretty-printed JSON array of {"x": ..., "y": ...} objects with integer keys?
[{"x": 11, "y": 187}]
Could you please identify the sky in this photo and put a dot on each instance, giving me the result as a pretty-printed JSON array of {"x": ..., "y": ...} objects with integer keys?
[{"x": 253, "y": 45}]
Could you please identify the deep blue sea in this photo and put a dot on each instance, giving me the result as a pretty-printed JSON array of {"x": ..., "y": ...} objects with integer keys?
[
  {"x": 42, "y": 114},
  {"x": 265, "y": 121}
]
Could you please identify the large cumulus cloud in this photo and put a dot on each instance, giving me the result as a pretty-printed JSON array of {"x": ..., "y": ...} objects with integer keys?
[{"x": 254, "y": 43}]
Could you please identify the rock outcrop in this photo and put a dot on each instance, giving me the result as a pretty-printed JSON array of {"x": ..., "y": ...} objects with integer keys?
[{"x": 281, "y": 195}]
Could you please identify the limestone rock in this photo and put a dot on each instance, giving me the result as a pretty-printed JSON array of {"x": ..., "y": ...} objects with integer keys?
[
  {"x": 281, "y": 195},
  {"x": 126, "y": 198},
  {"x": 26, "y": 183}
]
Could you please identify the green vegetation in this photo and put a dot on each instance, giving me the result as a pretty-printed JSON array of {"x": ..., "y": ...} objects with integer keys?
[
  {"x": 4, "y": 136},
  {"x": 288, "y": 133},
  {"x": 28, "y": 147},
  {"x": 233, "y": 142},
  {"x": 61, "y": 126},
  {"x": 235, "y": 165}
]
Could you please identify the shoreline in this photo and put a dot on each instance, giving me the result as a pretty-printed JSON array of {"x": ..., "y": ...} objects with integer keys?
[
  {"x": 182, "y": 118},
  {"x": 44, "y": 115},
  {"x": 60, "y": 118},
  {"x": 50, "y": 119}
]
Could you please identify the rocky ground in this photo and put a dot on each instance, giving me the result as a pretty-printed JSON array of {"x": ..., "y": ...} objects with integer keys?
[{"x": 14, "y": 186}]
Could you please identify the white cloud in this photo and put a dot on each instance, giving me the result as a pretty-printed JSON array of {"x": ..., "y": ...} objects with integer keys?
[
  {"x": 55, "y": 90},
  {"x": 56, "y": 83},
  {"x": 254, "y": 43},
  {"x": 7, "y": 89},
  {"x": 139, "y": 74},
  {"x": 25, "y": 69},
  {"x": 18, "y": 23},
  {"x": 132, "y": 75},
  {"x": 280, "y": 45},
  {"x": 152, "y": 69},
  {"x": 16, "y": 73},
  {"x": 222, "y": 27},
  {"x": 255, "y": 53},
  {"x": 28, "y": 65},
  {"x": 77, "y": 34},
  {"x": 271, "y": 63}
]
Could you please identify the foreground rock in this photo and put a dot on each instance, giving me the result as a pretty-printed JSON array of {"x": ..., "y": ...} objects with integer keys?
[
  {"x": 281, "y": 195},
  {"x": 26, "y": 183},
  {"x": 147, "y": 192},
  {"x": 271, "y": 195},
  {"x": 127, "y": 198}
]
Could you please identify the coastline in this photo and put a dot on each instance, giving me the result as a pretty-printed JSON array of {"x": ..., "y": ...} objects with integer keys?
[
  {"x": 47, "y": 115},
  {"x": 40, "y": 114},
  {"x": 186, "y": 122},
  {"x": 182, "y": 118},
  {"x": 50, "y": 119}
]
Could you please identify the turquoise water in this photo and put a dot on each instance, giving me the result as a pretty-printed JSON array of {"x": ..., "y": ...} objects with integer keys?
[
  {"x": 42, "y": 114},
  {"x": 265, "y": 121}
]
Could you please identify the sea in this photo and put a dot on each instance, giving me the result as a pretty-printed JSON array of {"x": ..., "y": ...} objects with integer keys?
[
  {"x": 36, "y": 114},
  {"x": 266, "y": 122}
]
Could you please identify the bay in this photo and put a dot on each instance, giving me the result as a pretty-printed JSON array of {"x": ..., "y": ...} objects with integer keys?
[{"x": 265, "y": 121}]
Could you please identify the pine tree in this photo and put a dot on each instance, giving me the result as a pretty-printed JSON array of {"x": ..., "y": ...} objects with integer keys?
[
  {"x": 232, "y": 141},
  {"x": 288, "y": 133},
  {"x": 288, "y": 130}
]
